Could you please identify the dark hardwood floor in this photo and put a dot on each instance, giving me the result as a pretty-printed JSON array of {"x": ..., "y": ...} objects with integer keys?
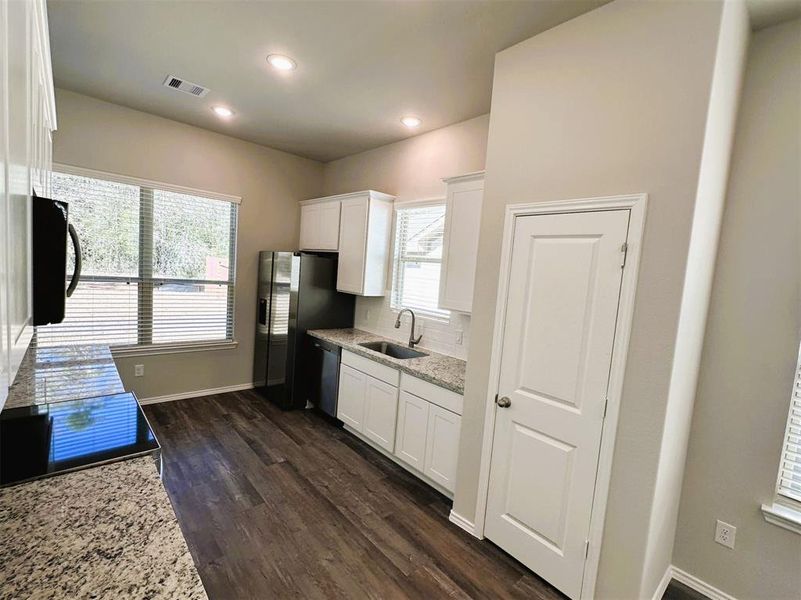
[{"x": 287, "y": 505}]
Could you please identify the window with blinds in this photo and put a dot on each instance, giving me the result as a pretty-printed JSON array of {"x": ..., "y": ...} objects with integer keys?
[
  {"x": 789, "y": 485},
  {"x": 158, "y": 265},
  {"x": 418, "y": 254}
]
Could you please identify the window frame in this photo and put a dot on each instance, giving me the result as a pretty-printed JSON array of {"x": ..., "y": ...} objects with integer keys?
[
  {"x": 146, "y": 282},
  {"x": 442, "y": 315},
  {"x": 786, "y": 510}
]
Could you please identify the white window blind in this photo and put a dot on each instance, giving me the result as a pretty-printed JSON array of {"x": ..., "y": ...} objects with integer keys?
[
  {"x": 789, "y": 484},
  {"x": 418, "y": 255},
  {"x": 158, "y": 266}
]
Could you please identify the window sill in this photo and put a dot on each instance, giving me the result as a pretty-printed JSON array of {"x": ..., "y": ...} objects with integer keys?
[
  {"x": 126, "y": 351},
  {"x": 783, "y": 516}
]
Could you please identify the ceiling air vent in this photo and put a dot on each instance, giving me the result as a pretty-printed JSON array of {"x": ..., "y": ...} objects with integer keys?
[{"x": 187, "y": 87}]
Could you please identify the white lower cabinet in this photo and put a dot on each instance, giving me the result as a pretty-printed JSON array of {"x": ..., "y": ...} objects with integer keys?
[
  {"x": 410, "y": 440},
  {"x": 352, "y": 392},
  {"x": 368, "y": 403},
  {"x": 380, "y": 410},
  {"x": 418, "y": 424},
  {"x": 442, "y": 446},
  {"x": 428, "y": 438}
]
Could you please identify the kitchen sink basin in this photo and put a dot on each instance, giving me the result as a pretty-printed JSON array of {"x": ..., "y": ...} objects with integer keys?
[{"x": 393, "y": 350}]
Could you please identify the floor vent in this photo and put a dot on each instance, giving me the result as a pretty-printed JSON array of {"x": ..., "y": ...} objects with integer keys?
[{"x": 187, "y": 87}]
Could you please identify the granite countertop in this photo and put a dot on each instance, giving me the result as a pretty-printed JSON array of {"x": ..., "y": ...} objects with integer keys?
[
  {"x": 104, "y": 532},
  {"x": 64, "y": 373},
  {"x": 441, "y": 370}
]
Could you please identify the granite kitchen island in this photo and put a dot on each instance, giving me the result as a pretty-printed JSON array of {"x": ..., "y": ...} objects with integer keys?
[{"x": 107, "y": 531}]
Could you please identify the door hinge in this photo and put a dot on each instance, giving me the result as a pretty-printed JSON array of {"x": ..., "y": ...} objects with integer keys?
[
  {"x": 625, "y": 250},
  {"x": 586, "y": 549},
  {"x": 606, "y": 406}
]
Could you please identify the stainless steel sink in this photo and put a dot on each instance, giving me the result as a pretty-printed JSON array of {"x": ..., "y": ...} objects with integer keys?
[{"x": 393, "y": 350}]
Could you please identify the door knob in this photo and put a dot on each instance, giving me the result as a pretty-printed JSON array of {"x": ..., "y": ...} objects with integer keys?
[{"x": 503, "y": 402}]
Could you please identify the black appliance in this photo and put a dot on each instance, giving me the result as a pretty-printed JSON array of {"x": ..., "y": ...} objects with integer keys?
[
  {"x": 323, "y": 375},
  {"x": 48, "y": 439},
  {"x": 296, "y": 292},
  {"x": 50, "y": 229}
]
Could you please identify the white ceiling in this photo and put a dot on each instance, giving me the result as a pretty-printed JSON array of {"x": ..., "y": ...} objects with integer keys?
[{"x": 361, "y": 64}]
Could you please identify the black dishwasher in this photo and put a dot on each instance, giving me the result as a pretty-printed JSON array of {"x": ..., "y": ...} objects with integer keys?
[{"x": 323, "y": 374}]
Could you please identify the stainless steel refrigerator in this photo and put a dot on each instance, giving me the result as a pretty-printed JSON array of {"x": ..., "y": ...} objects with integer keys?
[{"x": 297, "y": 292}]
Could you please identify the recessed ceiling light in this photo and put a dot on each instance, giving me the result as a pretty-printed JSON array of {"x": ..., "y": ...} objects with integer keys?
[
  {"x": 411, "y": 121},
  {"x": 281, "y": 62},
  {"x": 222, "y": 111}
]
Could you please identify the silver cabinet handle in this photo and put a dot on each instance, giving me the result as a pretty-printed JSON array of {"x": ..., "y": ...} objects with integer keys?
[{"x": 503, "y": 402}]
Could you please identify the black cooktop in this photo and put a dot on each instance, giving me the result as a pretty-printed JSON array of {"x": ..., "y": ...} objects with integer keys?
[{"x": 47, "y": 439}]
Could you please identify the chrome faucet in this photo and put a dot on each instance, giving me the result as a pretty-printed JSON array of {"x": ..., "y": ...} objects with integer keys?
[{"x": 412, "y": 341}]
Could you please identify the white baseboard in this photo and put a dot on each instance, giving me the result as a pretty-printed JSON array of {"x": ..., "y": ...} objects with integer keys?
[
  {"x": 699, "y": 585},
  {"x": 663, "y": 584},
  {"x": 692, "y": 582},
  {"x": 197, "y": 393},
  {"x": 463, "y": 523}
]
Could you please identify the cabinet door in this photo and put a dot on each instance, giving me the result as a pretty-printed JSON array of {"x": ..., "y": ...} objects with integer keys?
[
  {"x": 410, "y": 437},
  {"x": 18, "y": 325},
  {"x": 380, "y": 412},
  {"x": 328, "y": 227},
  {"x": 350, "y": 404},
  {"x": 309, "y": 226},
  {"x": 442, "y": 446},
  {"x": 460, "y": 245},
  {"x": 4, "y": 361},
  {"x": 352, "y": 245}
]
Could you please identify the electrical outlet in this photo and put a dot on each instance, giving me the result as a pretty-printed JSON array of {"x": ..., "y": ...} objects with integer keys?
[
  {"x": 139, "y": 370},
  {"x": 459, "y": 336},
  {"x": 724, "y": 534}
]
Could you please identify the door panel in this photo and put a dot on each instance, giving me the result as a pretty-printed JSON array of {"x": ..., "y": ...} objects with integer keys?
[
  {"x": 329, "y": 226},
  {"x": 350, "y": 405},
  {"x": 410, "y": 441},
  {"x": 380, "y": 413},
  {"x": 561, "y": 309},
  {"x": 309, "y": 226},
  {"x": 442, "y": 446},
  {"x": 352, "y": 239}
]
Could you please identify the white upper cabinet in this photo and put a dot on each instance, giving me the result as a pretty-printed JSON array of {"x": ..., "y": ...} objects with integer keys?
[
  {"x": 319, "y": 225},
  {"x": 358, "y": 226},
  {"x": 27, "y": 119},
  {"x": 364, "y": 236},
  {"x": 460, "y": 244}
]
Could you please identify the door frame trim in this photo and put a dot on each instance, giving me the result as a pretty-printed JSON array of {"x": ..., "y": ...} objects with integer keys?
[{"x": 636, "y": 204}]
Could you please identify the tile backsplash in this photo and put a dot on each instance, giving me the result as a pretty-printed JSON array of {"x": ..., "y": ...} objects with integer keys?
[{"x": 376, "y": 316}]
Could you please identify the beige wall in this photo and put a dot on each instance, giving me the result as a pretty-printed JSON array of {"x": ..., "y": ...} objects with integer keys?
[
  {"x": 412, "y": 170},
  {"x": 708, "y": 213},
  {"x": 98, "y": 135},
  {"x": 612, "y": 102},
  {"x": 752, "y": 339}
]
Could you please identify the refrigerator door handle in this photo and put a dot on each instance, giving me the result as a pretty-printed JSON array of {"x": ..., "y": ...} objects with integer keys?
[{"x": 76, "y": 274}]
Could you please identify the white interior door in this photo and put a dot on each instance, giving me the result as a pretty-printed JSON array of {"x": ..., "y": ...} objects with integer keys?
[{"x": 561, "y": 309}]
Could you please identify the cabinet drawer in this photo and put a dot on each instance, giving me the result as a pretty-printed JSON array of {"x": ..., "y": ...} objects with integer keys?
[
  {"x": 433, "y": 393},
  {"x": 372, "y": 368}
]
